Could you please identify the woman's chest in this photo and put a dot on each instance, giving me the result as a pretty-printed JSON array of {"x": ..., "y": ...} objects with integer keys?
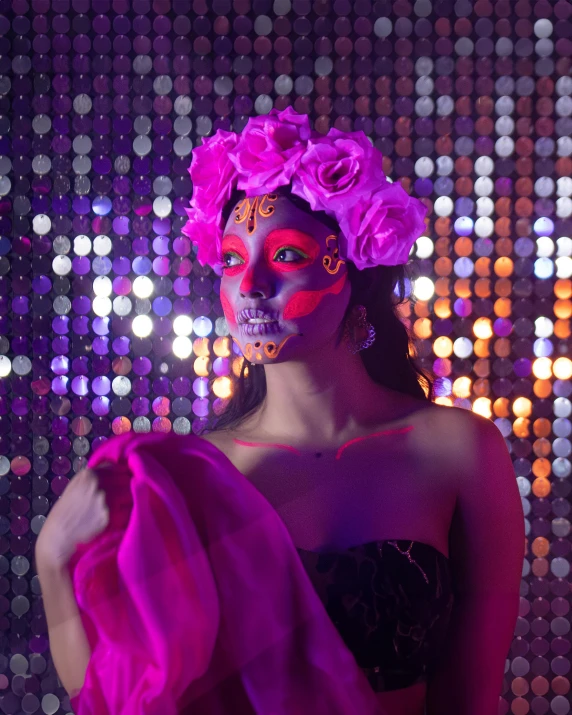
[{"x": 370, "y": 494}]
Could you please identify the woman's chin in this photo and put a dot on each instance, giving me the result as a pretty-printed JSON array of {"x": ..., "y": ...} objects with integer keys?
[{"x": 270, "y": 349}]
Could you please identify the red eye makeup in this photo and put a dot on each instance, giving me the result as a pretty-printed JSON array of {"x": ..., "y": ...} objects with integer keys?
[
  {"x": 290, "y": 239},
  {"x": 278, "y": 240},
  {"x": 233, "y": 244}
]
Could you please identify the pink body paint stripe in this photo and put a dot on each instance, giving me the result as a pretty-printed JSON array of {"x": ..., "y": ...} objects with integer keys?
[
  {"x": 375, "y": 434},
  {"x": 340, "y": 450}
]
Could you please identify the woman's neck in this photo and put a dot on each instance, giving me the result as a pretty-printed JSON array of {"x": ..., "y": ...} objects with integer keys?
[{"x": 322, "y": 398}]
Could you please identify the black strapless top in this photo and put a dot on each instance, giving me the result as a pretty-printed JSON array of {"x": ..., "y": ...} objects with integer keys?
[{"x": 391, "y": 602}]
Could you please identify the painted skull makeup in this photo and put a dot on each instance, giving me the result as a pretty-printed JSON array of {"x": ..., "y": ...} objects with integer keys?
[{"x": 284, "y": 288}]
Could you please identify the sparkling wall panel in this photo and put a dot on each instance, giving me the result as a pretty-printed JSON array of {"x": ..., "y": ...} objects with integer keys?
[{"x": 108, "y": 323}]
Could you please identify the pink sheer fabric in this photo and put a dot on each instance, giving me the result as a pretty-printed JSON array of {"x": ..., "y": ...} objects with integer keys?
[{"x": 194, "y": 598}]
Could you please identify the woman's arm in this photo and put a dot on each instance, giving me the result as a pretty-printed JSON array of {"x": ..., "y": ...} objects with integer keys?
[
  {"x": 487, "y": 547},
  {"x": 69, "y": 645}
]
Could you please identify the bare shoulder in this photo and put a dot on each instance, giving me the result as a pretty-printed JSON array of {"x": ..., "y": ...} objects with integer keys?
[
  {"x": 219, "y": 439},
  {"x": 470, "y": 428},
  {"x": 463, "y": 438},
  {"x": 456, "y": 419},
  {"x": 222, "y": 440},
  {"x": 211, "y": 437}
]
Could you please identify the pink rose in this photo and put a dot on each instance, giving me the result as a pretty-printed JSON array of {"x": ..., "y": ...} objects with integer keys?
[
  {"x": 212, "y": 174},
  {"x": 201, "y": 230},
  {"x": 269, "y": 150},
  {"x": 340, "y": 174},
  {"x": 341, "y": 167},
  {"x": 381, "y": 229},
  {"x": 214, "y": 178}
]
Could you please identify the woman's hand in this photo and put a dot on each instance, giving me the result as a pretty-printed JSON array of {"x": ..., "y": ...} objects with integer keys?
[{"x": 77, "y": 517}]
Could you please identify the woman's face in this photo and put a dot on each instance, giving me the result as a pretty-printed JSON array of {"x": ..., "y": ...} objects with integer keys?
[{"x": 281, "y": 264}]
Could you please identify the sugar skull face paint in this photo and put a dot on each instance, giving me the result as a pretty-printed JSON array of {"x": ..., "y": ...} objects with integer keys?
[{"x": 284, "y": 289}]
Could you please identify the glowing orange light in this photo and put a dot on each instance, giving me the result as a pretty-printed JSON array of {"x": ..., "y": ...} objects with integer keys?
[
  {"x": 542, "y": 368},
  {"x": 201, "y": 347},
  {"x": 542, "y": 388},
  {"x": 222, "y": 387},
  {"x": 222, "y": 347},
  {"x": 422, "y": 328},
  {"x": 237, "y": 367},
  {"x": 462, "y": 387},
  {"x": 482, "y": 328},
  {"x": 562, "y": 368},
  {"x": 202, "y": 366},
  {"x": 443, "y": 346},
  {"x": 522, "y": 407},
  {"x": 482, "y": 406}
]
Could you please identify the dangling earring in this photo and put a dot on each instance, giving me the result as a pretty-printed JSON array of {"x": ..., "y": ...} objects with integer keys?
[{"x": 361, "y": 324}]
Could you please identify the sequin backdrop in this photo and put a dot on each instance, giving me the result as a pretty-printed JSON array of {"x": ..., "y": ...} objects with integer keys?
[{"x": 101, "y": 102}]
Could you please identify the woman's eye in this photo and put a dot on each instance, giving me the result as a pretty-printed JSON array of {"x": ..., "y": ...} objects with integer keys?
[
  {"x": 229, "y": 256},
  {"x": 283, "y": 251}
]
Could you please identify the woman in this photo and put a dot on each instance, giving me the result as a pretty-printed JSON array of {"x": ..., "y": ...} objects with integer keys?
[{"x": 405, "y": 514}]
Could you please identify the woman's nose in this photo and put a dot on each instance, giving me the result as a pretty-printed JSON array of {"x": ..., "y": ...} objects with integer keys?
[{"x": 256, "y": 281}]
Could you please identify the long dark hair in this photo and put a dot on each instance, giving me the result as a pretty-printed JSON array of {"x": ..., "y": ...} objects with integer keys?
[{"x": 389, "y": 361}]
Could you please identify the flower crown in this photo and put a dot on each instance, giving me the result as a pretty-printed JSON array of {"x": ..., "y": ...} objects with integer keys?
[{"x": 339, "y": 173}]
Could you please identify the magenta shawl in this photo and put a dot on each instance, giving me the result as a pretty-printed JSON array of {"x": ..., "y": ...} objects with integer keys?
[{"x": 194, "y": 598}]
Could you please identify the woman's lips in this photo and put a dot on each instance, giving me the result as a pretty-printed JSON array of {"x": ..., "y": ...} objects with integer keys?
[
  {"x": 267, "y": 328},
  {"x": 247, "y": 314}
]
